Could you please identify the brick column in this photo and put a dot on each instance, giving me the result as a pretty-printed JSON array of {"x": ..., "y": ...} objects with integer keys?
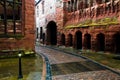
[
  {"x": 93, "y": 42},
  {"x": 29, "y": 26},
  {"x": 109, "y": 42}
]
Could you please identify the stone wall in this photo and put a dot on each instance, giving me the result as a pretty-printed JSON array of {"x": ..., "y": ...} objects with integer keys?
[
  {"x": 27, "y": 41},
  {"x": 90, "y": 21}
]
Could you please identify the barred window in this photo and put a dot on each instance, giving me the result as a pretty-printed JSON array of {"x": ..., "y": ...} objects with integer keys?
[{"x": 10, "y": 17}]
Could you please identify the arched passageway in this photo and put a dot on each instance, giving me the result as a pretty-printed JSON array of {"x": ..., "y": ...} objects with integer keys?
[
  {"x": 78, "y": 40},
  {"x": 100, "y": 42},
  {"x": 43, "y": 38},
  {"x": 52, "y": 33},
  {"x": 70, "y": 40},
  {"x": 116, "y": 43},
  {"x": 63, "y": 39},
  {"x": 87, "y": 41}
]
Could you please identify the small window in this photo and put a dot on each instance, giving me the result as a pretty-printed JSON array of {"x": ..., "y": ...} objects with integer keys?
[{"x": 43, "y": 7}]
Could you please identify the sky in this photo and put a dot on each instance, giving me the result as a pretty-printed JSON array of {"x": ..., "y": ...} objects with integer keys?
[{"x": 36, "y": 0}]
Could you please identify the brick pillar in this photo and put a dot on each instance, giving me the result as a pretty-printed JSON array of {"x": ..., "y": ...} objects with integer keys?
[
  {"x": 58, "y": 38},
  {"x": 74, "y": 41},
  {"x": 109, "y": 42},
  {"x": 29, "y": 12},
  {"x": 93, "y": 42},
  {"x": 67, "y": 40}
]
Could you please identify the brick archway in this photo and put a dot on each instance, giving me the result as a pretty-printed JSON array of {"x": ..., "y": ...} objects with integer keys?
[
  {"x": 116, "y": 43},
  {"x": 70, "y": 40},
  {"x": 62, "y": 39},
  {"x": 100, "y": 42},
  {"x": 51, "y": 33},
  {"x": 78, "y": 40},
  {"x": 87, "y": 41}
]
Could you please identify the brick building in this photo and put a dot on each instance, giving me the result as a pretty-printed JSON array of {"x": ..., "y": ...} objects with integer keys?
[
  {"x": 17, "y": 24},
  {"x": 86, "y": 24},
  {"x": 45, "y": 14}
]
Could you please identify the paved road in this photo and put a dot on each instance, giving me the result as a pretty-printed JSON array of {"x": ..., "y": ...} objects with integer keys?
[{"x": 68, "y": 67}]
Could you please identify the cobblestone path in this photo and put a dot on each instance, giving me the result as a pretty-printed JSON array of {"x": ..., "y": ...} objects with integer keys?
[{"x": 68, "y": 67}]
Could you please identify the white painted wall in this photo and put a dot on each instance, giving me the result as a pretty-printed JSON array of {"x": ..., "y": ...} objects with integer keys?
[
  {"x": 39, "y": 17},
  {"x": 49, "y": 8}
]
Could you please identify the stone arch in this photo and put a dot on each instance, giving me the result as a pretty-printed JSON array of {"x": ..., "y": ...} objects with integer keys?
[
  {"x": 70, "y": 40},
  {"x": 51, "y": 33},
  {"x": 87, "y": 41},
  {"x": 99, "y": 1},
  {"x": 106, "y": 1},
  {"x": 100, "y": 42},
  {"x": 62, "y": 39},
  {"x": 116, "y": 43},
  {"x": 78, "y": 40}
]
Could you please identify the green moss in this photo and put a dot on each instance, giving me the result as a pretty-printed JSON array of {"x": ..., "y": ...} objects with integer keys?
[
  {"x": 9, "y": 67},
  {"x": 69, "y": 27},
  {"x": 100, "y": 22}
]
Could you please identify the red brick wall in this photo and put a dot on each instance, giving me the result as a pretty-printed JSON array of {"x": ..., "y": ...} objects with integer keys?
[
  {"x": 28, "y": 30},
  {"x": 73, "y": 18}
]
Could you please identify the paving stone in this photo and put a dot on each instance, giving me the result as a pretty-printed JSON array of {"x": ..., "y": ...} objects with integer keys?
[
  {"x": 92, "y": 75},
  {"x": 57, "y": 57},
  {"x": 34, "y": 76}
]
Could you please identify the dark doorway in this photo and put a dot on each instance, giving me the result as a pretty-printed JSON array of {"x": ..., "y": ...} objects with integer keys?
[
  {"x": 43, "y": 38},
  {"x": 116, "y": 42},
  {"x": 87, "y": 41},
  {"x": 100, "y": 42},
  {"x": 78, "y": 40},
  {"x": 37, "y": 33},
  {"x": 52, "y": 33},
  {"x": 41, "y": 32},
  {"x": 70, "y": 39},
  {"x": 63, "y": 39}
]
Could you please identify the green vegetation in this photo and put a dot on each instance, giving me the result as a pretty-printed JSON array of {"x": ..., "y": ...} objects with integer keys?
[
  {"x": 100, "y": 22},
  {"x": 9, "y": 67}
]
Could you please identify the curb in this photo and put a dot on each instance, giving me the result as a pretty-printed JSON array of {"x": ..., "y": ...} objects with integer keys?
[{"x": 48, "y": 67}]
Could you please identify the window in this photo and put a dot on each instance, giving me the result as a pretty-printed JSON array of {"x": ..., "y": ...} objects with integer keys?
[
  {"x": 107, "y": 0},
  {"x": 10, "y": 17},
  {"x": 43, "y": 7},
  {"x": 86, "y": 4},
  {"x": 69, "y": 6},
  {"x": 37, "y": 11},
  {"x": 75, "y": 5}
]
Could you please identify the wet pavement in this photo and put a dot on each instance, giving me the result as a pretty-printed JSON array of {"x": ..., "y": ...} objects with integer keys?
[{"x": 69, "y": 67}]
